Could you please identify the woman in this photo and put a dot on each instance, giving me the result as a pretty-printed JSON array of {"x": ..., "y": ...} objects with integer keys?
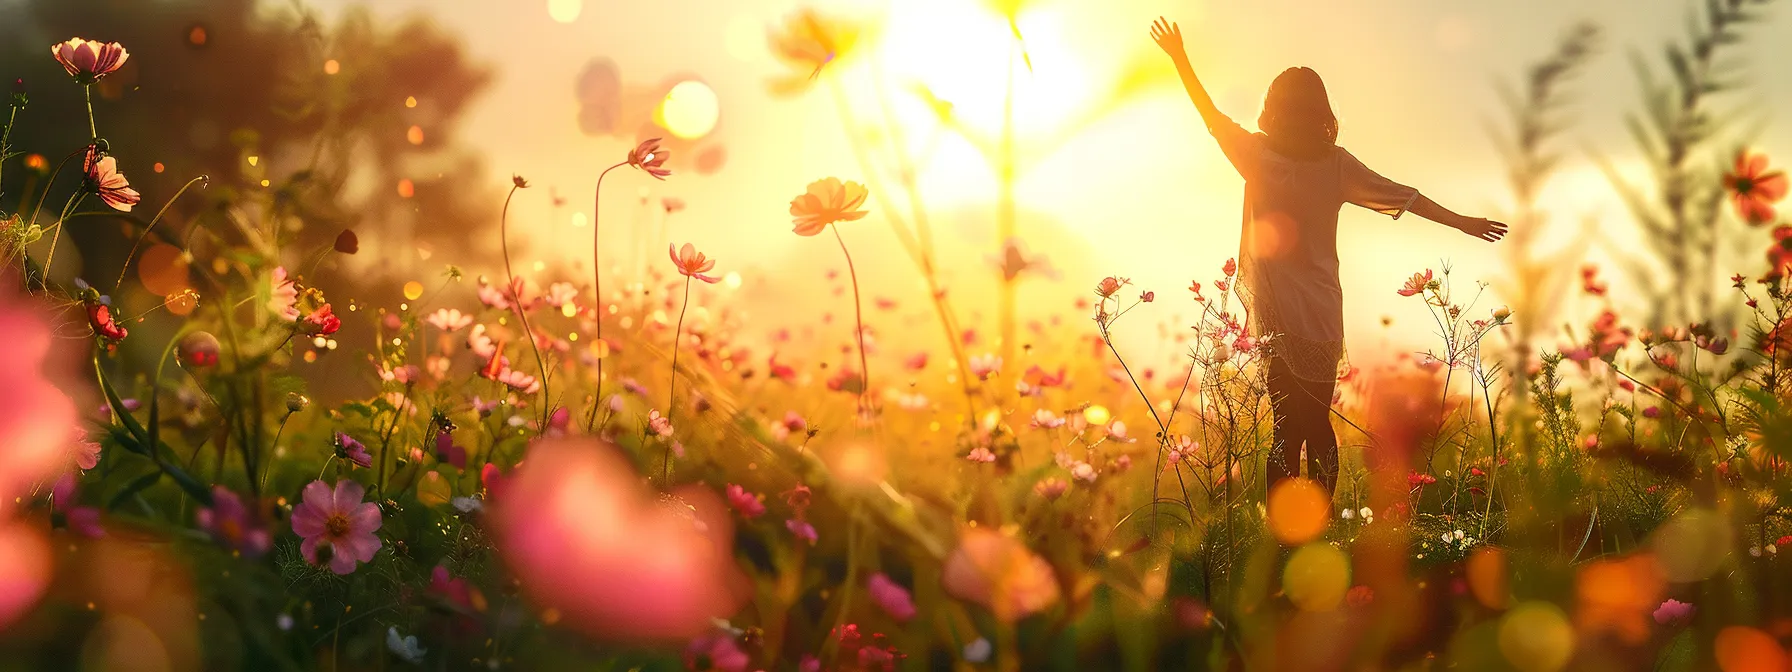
[{"x": 1296, "y": 180}]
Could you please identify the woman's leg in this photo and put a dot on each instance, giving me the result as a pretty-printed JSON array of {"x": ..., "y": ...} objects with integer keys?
[
  {"x": 1322, "y": 442},
  {"x": 1285, "y": 397}
]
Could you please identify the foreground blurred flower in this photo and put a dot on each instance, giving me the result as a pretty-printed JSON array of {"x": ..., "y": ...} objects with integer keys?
[
  {"x": 87, "y": 61},
  {"x": 336, "y": 525},
  {"x": 1674, "y": 612},
  {"x": 583, "y": 535},
  {"x": 716, "y": 652},
  {"x": 404, "y": 647},
  {"x": 649, "y": 157},
  {"x": 891, "y": 597},
  {"x": 999, "y": 572},
  {"x": 449, "y": 320},
  {"x": 102, "y": 177},
  {"x": 809, "y": 42},
  {"x": 26, "y": 563},
  {"x": 749, "y": 505},
  {"x": 691, "y": 263},
  {"x": 826, "y": 202},
  {"x": 232, "y": 525},
  {"x": 801, "y": 529},
  {"x": 1754, "y": 189}
]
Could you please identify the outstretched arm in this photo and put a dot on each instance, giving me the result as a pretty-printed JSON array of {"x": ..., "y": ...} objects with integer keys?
[
  {"x": 1485, "y": 229},
  {"x": 1168, "y": 36}
]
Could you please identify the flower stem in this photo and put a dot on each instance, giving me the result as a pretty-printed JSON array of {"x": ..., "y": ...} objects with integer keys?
[
  {"x": 858, "y": 313},
  {"x": 672, "y": 382},
  {"x": 73, "y": 202},
  {"x": 152, "y": 225},
  {"x": 92, "y": 128},
  {"x": 597, "y": 291},
  {"x": 516, "y": 301}
]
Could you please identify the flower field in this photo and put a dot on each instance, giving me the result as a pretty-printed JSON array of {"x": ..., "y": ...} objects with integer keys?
[{"x": 606, "y": 468}]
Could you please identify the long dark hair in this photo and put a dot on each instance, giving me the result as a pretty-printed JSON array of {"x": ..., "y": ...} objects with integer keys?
[{"x": 1297, "y": 115}]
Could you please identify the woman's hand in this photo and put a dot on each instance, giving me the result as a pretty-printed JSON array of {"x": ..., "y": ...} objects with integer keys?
[
  {"x": 1485, "y": 229},
  {"x": 1168, "y": 37}
]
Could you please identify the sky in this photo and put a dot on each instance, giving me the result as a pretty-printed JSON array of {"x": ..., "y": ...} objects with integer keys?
[{"x": 1138, "y": 191}]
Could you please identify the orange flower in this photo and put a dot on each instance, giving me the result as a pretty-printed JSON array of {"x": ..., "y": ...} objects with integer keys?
[
  {"x": 691, "y": 263},
  {"x": 826, "y": 202},
  {"x": 1754, "y": 189},
  {"x": 1419, "y": 282},
  {"x": 88, "y": 61},
  {"x": 104, "y": 179},
  {"x": 649, "y": 157},
  {"x": 809, "y": 41}
]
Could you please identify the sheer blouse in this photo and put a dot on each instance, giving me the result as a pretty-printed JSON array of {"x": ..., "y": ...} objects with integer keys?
[{"x": 1288, "y": 253}]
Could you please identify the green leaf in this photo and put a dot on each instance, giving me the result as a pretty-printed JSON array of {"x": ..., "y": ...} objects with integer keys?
[{"x": 136, "y": 485}]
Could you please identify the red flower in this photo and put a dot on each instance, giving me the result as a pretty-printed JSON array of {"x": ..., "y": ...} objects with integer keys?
[
  {"x": 103, "y": 178},
  {"x": 691, "y": 263},
  {"x": 320, "y": 322},
  {"x": 88, "y": 61},
  {"x": 649, "y": 157},
  {"x": 1231, "y": 267},
  {"x": 1589, "y": 280},
  {"x": 1109, "y": 286},
  {"x": 1754, "y": 189},
  {"x": 1416, "y": 479},
  {"x": 100, "y": 316}
]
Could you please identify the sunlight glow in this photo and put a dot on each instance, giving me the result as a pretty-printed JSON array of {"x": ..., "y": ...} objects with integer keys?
[
  {"x": 565, "y": 11},
  {"x": 690, "y": 110}
]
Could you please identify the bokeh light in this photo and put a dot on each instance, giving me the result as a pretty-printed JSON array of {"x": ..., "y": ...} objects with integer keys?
[
  {"x": 1487, "y": 577},
  {"x": 1317, "y": 577},
  {"x": 690, "y": 110},
  {"x": 1097, "y": 415},
  {"x": 565, "y": 11},
  {"x": 1298, "y": 510},
  {"x": 1536, "y": 636},
  {"x": 163, "y": 269},
  {"x": 413, "y": 290},
  {"x": 1745, "y": 649}
]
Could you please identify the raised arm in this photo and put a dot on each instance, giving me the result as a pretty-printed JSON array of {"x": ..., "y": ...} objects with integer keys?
[
  {"x": 1168, "y": 37},
  {"x": 1485, "y": 229}
]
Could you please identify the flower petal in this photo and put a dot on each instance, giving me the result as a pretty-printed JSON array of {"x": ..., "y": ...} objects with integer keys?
[
  {"x": 348, "y": 495},
  {"x": 318, "y": 496}
]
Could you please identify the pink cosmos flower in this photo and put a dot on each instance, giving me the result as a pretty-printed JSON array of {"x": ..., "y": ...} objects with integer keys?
[
  {"x": 449, "y": 320},
  {"x": 336, "y": 525},
  {"x": 349, "y": 449},
  {"x": 320, "y": 322},
  {"x": 561, "y": 293},
  {"x": 87, "y": 61},
  {"x": 719, "y": 650},
  {"x": 891, "y": 597},
  {"x": 86, "y": 452},
  {"x": 1754, "y": 189},
  {"x": 1000, "y": 573},
  {"x": 1045, "y": 419},
  {"x": 519, "y": 381},
  {"x": 981, "y": 455},
  {"x": 1051, "y": 488},
  {"x": 283, "y": 301},
  {"x": 1419, "y": 282},
  {"x": 1109, "y": 286},
  {"x": 102, "y": 177},
  {"x": 801, "y": 529},
  {"x": 232, "y": 525},
  {"x": 749, "y": 505},
  {"x": 448, "y": 453},
  {"x": 984, "y": 366},
  {"x": 1416, "y": 479},
  {"x": 481, "y": 344},
  {"x": 584, "y": 534},
  {"x": 37, "y": 421},
  {"x": 660, "y": 425},
  {"x": 450, "y": 587},
  {"x": 83, "y": 520},
  {"x": 1674, "y": 612},
  {"x": 691, "y": 263},
  {"x": 1231, "y": 267},
  {"x": 648, "y": 157}
]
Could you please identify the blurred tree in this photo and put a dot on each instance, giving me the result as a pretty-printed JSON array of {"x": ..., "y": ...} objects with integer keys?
[{"x": 351, "y": 126}]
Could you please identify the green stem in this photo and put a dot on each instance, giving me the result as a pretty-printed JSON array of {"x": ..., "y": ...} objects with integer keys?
[
  {"x": 92, "y": 128},
  {"x": 516, "y": 301},
  {"x": 597, "y": 292},
  {"x": 152, "y": 225},
  {"x": 73, "y": 202},
  {"x": 858, "y": 313},
  {"x": 672, "y": 382}
]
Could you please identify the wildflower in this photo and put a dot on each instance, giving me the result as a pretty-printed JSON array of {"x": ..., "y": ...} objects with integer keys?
[
  {"x": 809, "y": 41},
  {"x": 826, "y": 202},
  {"x": 1083, "y": 471},
  {"x": 1419, "y": 282},
  {"x": 349, "y": 449},
  {"x": 1501, "y": 313},
  {"x": 1051, "y": 488},
  {"x": 405, "y": 647},
  {"x": 793, "y": 423},
  {"x": 660, "y": 425},
  {"x": 691, "y": 263},
  {"x": 1367, "y": 513},
  {"x": 1674, "y": 612},
  {"x": 102, "y": 177},
  {"x": 232, "y": 525},
  {"x": 1109, "y": 286},
  {"x": 978, "y": 651},
  {"x": 561, "y": 294},
  {"x": 449, "y": 453},
  {"x": 1347, "y": 514},
  {"x": 1195, "y": 287},
  {"x": 284, "y": 299},
  {"x": 984, "y": 366},
  {"x": 1417, "y": 479},
  {"x": 648, "y": 157},
  {"x": 519, "y": 381},
  {"x": 798, "y": 498},
  {"x": 321, "y": 322},
  {"x": 86, "y": 452},
  {"x": 891, "y": 597},
  {"x": 716, "y": 652},
  {"x": 1359, "y": 596},
  {"x": 747, "y": 504},
  {"x": 198, "y": 349},
  {"x": 88, "y": 61},
  {"x": 1147, "y": 297},
  {"x": 99, "y": 316},
  {"x": 916, "y": 362},
  {"x": 449, "y": 320},
  {"x": 1754, "y": 189},
  {"x": 1045, "y": 419},
  {"x": 339, "y": 521},
  {"x": 449, "y": 587},
  {"x": 1589, "y": 281},
  {"x": 981, "y": 455},
  {"x": 1000, "y": 573},
  {"x": 801, "y": 529},
  {"x": 1116, "y": 431}
]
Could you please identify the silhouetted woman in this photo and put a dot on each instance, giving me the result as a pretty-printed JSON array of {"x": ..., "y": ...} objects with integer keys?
[{"x": 1296, "y": 179}]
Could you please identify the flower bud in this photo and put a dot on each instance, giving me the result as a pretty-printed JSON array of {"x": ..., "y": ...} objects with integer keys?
[
  {"x": 296, "y": 402},
  {"x": 198, "y": 349}
]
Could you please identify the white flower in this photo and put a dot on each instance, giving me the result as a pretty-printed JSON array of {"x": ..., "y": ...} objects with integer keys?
[
  {"x": 283, "y": 621},
  {"x": 405, "y": 647},
  {"x": 1367, "y": 513},
  {"x": 466, "y": 504},
  {"x": 1082, "y": 471},
  {"x": 1459, "y": 535},
  {"x": 1347, "y": 514},
  {"x": 977, "y": 651}
]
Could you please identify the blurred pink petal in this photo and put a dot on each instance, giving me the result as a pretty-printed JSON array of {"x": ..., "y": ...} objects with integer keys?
[
  {"x": 585, "y": 536},
  {"x": 37, "y": 421},
  {"x": 24, "y": 570},
  {"x": 1001, "y": 573}
]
